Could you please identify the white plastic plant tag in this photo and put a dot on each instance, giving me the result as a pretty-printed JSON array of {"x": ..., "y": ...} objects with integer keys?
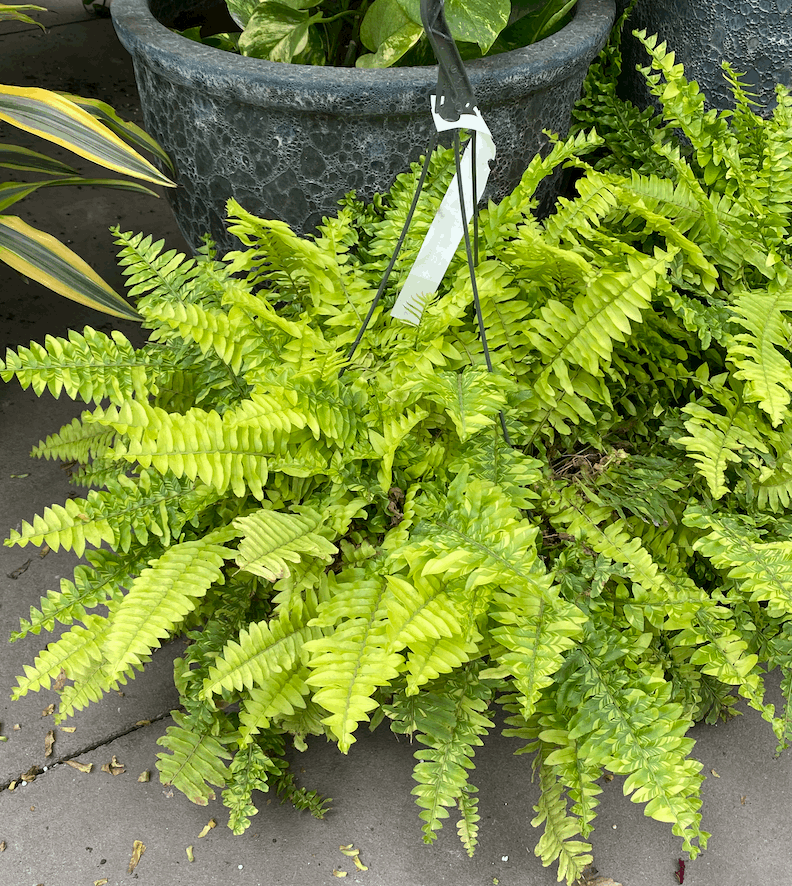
[{"x": 445, "y": 232}]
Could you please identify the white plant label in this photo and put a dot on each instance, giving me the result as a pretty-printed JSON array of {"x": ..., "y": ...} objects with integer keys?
[{"x": 445, "y": 233}]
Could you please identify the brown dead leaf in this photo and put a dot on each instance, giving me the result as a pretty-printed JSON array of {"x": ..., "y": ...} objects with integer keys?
[
  {"x": 114, "y": 767},
  {"x": 144, "y": 776},
  {"x": 80, "y": 767},
  {"x": 714, "y": 773},
  {"x": 49, "y": 743},
  {"x": 591, "y": 878},
  {"x": 45, "y": 549},
  {"x": 31, "y": 774},
  {"x": 138, "y": 849},
  {"x": 3, "y": 846},
  {"x": 743, "y": 799},
  {"x": 60, "y": 681},
  {"x": 20, "y": 569},
  {"x": 50, "y": 709},
  {"x": 205, "y": 831},
  {"x": 68, "y": 729},
  {"x": 143, "y": 723},
  {"x": 12, "y": 786}
]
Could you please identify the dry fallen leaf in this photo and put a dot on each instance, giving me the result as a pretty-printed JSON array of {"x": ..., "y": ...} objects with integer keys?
[
  {"x": 60, "y": 681},
  {"x": 103, "y": 882},
  {"x": 114, "y": 767},
  {"x": 205, "y": 831},
  {"x": 32, "y": 808},
  {"x": 348, "y": 850},
  {"x": 743, "y": 799},
  {"x": 359, "y": 864},
  {"x": 50, "y": 709},
  {"x": 714, "y": 773},
  {"x": 49, "y": 742},
  {"x": 144, "y": 776},
  {"x": 339, "y": 873},
  {"x": 190, "y": 856},
  {"x": 68, "y": 729},
  {"x": 31, "y": 774},
  {"x": 12, "y": 786},
  {"x": 3, "y": 846},
  {"x": 138, "y": 849},
  {"x": 143, "y": 723},
  {"x": 20, "y": 570},
  {"x": 82, "y": 767},
  {"x": 45, "y": 549}
]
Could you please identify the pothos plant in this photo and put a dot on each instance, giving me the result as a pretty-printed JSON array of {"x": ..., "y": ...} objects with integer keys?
[
  {"x": 379, "y": 33},
  {"x": 368, "y": 547}
]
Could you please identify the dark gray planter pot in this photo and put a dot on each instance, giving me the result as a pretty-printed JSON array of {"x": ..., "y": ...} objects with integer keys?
[
  {"x": 754, "y": 36},
  {"x": 288, "y": 141}
]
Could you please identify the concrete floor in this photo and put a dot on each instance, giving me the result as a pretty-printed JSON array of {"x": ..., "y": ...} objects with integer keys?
[{"x": 69, "y": 828}]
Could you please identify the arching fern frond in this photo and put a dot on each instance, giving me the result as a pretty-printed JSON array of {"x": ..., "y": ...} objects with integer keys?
[
  {"x": 80, "y": 441},
  {"x": 89, "y": 366},
  {"x": 151, "y": 273},
  {"x": 195, "y": 761},
  {"x": 272, "y": 539},
  {"x": 94, "y": 585},
  {"x": 162, "y": 595},
  {"x": 353, "y": 658},
  {"x": 758, "y": 352},
  {"x": 450, "y": 720}
]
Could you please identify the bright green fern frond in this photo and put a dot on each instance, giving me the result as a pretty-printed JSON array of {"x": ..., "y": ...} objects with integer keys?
[
  {"x": 77, "y": 648},
  {"x": 477, "y": 537},
  {"x": 130, "y": 510},
  {"x": 77, "y": 441},
  {"x": 273, "y": 539},
  {"x": 758, "y": 353},
  {"x": 94, "y": 585},
  {"x": 762, "y": 570},
  {"x": 558, "y": 842},
  {"x": 262, "y": 652},
  {"x": 584, "y": 333},
  {"x": 717, "y": 440},
  {"x": 90, "y": 366},
  {"x": 280, "y": 696},
  {"x": 532, "y": 639},
  {"x": 250, "y": 770},
  {"x": 472, "y": 398},
  {"x": 353, "y": 658},
  {"x": 490, "y": 458},
  {"x": 226, "y": 333},
  {"x": 162, "y": 595},
  {"x": 195, "y": 760},
  {"x": 220, "y": 450},
  {"x": 450, "y": 721},
  {"x": 156, "y": 275}
]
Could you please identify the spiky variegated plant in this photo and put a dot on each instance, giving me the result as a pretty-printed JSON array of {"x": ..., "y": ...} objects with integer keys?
[{"x": 346, "y": 549}]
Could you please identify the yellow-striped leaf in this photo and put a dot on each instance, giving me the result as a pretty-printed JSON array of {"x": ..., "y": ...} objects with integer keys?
[
  {"x": 128, "y": 131},
  {"x": 13, "y": 192},
  {"x": 43, "y": 258},
  {"x": 17, "y": 157},
  {"x": 64, "y": 123}
]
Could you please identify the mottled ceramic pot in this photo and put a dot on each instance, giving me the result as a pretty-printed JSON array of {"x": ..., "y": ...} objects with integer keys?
[
  {"x": 288, "y": 141},
  {"x": 754, "y": 36}
]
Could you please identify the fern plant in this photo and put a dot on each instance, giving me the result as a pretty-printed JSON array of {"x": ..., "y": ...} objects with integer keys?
[{"x": 368, "y": 546}]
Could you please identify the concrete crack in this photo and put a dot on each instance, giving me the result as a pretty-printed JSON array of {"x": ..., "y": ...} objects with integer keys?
[{"x": 37, "y": 770}]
